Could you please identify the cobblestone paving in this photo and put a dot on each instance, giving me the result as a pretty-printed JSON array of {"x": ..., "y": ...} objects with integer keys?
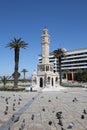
[{"x": 37, "y": 110}]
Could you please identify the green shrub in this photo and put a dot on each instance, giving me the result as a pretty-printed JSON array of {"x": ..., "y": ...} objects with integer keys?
[
  {"x": 9, "y": 88},
  {"x": 81, "y": 76}
]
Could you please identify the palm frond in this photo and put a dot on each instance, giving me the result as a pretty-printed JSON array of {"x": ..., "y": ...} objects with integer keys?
[
  {"x": 17, "y": 43},
  {"x": 59, "y": 53}
]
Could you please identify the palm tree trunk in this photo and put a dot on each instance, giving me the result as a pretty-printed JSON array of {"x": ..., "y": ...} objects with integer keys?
[
  {"x": 60, "y": 71},
  {"x": 16, "y": 67},
  {"x": 24, "y": 76}
]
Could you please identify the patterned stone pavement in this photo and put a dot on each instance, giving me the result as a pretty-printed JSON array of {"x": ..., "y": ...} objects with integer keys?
[{"x": 61, "y": 110}]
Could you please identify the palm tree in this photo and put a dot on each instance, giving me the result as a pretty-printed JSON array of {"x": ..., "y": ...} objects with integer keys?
[
  {"x": 59, "y": 53},
  {"x": 16, "y": 44},
  {"x": 4, "y": 79},
  {"x": 24, "y": 71}
]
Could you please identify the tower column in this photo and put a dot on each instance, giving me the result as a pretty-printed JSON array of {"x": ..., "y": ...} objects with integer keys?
[
  {"x": 72, "y": 76},
  {"x": 45, "y": 40}
]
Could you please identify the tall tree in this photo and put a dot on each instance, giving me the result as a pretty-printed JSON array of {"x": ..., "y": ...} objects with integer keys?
[
  {"x": 59, "y": 53},
  {"x": 16, "y": 44},
  {"x": 24, "y": 71},
  {"x": 4, "y": 79}
]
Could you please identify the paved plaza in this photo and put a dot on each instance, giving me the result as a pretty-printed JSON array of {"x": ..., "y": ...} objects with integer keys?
[{"x": 44, "y": 110}]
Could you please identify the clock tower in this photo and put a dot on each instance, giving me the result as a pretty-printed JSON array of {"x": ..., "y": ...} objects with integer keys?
[{"x": 45, "y": 76}]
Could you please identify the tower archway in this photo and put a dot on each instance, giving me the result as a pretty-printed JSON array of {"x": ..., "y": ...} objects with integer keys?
[
  {"x": 41, "y": 82},
  {"x": 52, "y": 82}
]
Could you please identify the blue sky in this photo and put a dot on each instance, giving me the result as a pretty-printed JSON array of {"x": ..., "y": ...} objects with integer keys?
[{"x": 66, "y": 21}]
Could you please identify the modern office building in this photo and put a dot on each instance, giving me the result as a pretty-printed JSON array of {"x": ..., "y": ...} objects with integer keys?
[{"x": 73, "y": 61}]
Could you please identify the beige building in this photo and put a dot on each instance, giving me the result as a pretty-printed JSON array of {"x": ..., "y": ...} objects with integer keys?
[{"x": 45, "y": 76}]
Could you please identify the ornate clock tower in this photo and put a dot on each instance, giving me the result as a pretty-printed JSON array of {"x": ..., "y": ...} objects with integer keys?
[
  {"x": 45, "y": 67},
  {"x": 45, "y": 77}
]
